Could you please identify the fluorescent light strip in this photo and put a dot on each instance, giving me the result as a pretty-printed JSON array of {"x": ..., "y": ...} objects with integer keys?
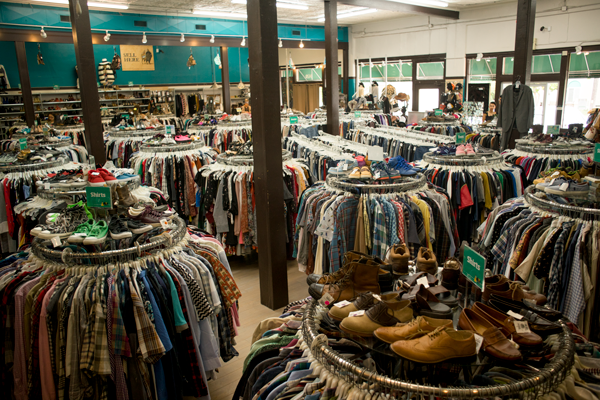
[
  {"x": 433, "y": 3},
  {"x": 352, "y": 14},
  {"x": 345, "y": 12},
  {"x": 280, "y": 4},
  {"x": 220, "y": 14},
  {"x": 90, "y": 4}
]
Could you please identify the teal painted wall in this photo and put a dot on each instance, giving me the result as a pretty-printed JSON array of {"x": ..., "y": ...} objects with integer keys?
[
  {"x": 352, "y": 87},
  {"x": 8, "y": 58}
]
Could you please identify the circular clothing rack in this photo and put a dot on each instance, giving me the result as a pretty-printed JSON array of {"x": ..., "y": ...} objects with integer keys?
[
  {"x": 555, "y": 207},
  {"x": 550, "y": 149},
  {"x": 56, "y": 193},
  {"x": 33, "y": 166},
  {"x": 404, "y": 184},
  {"x": 224, "y": 158},
  {"x": 533, "y": 387},
  {"x": 67, "y": 256},
  {"x": 167, "y": 148},
  {"x": 466, "y": 160}
]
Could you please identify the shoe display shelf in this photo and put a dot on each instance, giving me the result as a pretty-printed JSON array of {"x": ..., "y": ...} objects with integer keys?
[
  {"x": 168, "y": 239},
  {"x": 11, "y": 111},
  {"x": 490, "y": 159},
  {"x": 542, "y": 381}
]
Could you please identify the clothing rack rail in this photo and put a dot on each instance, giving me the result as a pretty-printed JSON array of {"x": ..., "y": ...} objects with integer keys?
[
  {"x": 549, "y": 149},
  {"x": 477, "y": 159},
  {"x": 540, "y": 383},
  {"x": 171, "y": 148},
  {"x": 129, "y": 134},
  {"x": 223, "y": 158},
  {"x": 404, "y": 185},
  {"x": 33, "y": 167},
  {"x": 71, "y": 258},
  {"x": 563, "y": 209}
]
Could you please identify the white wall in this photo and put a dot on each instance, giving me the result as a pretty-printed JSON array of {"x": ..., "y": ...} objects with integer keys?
[
  {"x": 480, "y": 29},
  {"x": 305, "y": 56}
]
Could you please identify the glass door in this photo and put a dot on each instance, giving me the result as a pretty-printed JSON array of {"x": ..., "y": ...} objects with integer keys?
[
  {"x": 545, "y": 97},
  {"x": 429, "y": 99}
]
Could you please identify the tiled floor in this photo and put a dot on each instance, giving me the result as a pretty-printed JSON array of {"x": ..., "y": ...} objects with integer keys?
[{"x": 251, "y": 313}]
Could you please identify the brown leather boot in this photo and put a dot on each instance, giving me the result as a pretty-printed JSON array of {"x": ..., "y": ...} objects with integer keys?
[
  {"x": 360, "y": 278},
  {"x": 451, "y": 273},
  {"x": 125, "y": 197},
  {"x": 398, "y": 256},
  {"x": 426, "y": 261},
  {"x": 333, "y": 277}
]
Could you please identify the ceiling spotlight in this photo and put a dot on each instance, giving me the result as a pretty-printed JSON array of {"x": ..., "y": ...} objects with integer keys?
[
  {"x": 144, "y": 40},
  {"x": 107, "y": 37},
  {"x": 243, "y": 41},
  {"x": 586, "y": 53},
  {"x": 43, "y": 34},
  {"x": 479, "y": 56},
  {"x": 280, "y": 43},
  {"x": 578, "y": 49},
  {"x": 301, "y": 45},
  {"x": 212, "y": 38}
]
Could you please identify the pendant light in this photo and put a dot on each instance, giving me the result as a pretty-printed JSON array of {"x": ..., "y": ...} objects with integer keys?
[
  {"x": 241, "y": 84},
  {"x": 44, "y": 35},
  {"x": 214, "y": 85},
  {"x": 144, "y": 40},
  {"x": 182, "y": 38},
  {"x": 280, "y": 43},
  {"x": 243, "y": 41},
  {"x": 301, "y": 45},
  {"x": 212, "y": 38}
]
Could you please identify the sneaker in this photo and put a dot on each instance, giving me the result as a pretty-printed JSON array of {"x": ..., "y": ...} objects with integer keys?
[
  {"x": 360, "y": 160},
  {"x": 550, "y": 182},
  {"x": 162, "y": 211},
  {"x": 81, "y": 232},
  {"x": 118, "y": 229},
  {"x": 461, "y": 150},
  {"x": 107, "y": 176},
  {"x": 138, "y": 227},
  {"x": 469, "y": 149},
  {"x": 365, "y": 173},
  {"x": 97, "y": 234},
  {"x": 569, "y": 189},
  {"x": 148, "y": 216},
  {"x": 355, "y": 174},
  {"x": 343, "y": 167},
  {"x": 95, "y": 178},
  {"x": 126, "y": 176},
  {"x": 399, "y": 163},
  {"x": 65, "y": 224}
]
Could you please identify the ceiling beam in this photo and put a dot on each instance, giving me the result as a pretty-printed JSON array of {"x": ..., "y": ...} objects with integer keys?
[{"x": 402, "y": 8}]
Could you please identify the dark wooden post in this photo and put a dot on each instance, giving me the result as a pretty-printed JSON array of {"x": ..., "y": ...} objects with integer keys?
[
  {"x": 225, "y": 80},
  {"x": 331, "y": 58},
  {"x": 524, "y": 40},
  {"x": 266, "y": 130},
  {"x": 25, "y": 83},
  {"x": 88, "y": 81},
  {"x": 346, "y": 72},
  {"x": 565, "y": 61}
]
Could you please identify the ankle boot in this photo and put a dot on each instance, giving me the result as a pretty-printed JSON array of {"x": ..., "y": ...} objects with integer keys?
[
  {"x": 335, "y": 276},
  {"x": 398, "y": 256},
  {"x": 451, "y": 273},
  {"x": 125, "y": 197},
  {"x": 426, "y": 261},
  {"x": 360, "y": 278}
]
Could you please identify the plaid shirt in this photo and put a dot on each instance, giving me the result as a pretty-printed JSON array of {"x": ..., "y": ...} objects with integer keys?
[
  {"x": 344, "y": 231},
  {"x": 391, "y": 223},
  {"x": 574, "y": 301},
  {"x": 150, "y": 345},
  {"x": 116, "y": 339},
  {"x": 62, "y": 335},
  {"x": 556, "y": 266},
  {"x": 20, "y": 365},
  {"x": 229, "y": 289},
  {"x": 379, "y": 245},
  {"x": 400, "y": 214}
]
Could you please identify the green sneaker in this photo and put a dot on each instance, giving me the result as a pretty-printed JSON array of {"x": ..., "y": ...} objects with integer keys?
[
  {"x": 81, "y": 232},
  {"x": 97, "y": 234}
]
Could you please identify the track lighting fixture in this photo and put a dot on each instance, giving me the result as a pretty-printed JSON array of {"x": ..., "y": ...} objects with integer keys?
[
  {"x": 301, "y": 45},
  {"x": 280, "y": 43},
  {"x": 43, "y": 34},
  {"x": 586, "y": 53},
  {"x": 182, "y": 38},
  {"x": 479, "y": 56},
  {"x": 144, "y": 40},
  {"x": 107, "y": 37},
  {"x": 578, "y": 49},
  {"x": 212, "y": 38},
  {"x": 243, "y": 41}
]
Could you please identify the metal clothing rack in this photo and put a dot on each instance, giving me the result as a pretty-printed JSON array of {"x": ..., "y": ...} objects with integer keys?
[
  {"x": 129, "y": 134},
  {"x": 52, "y": 194},
  {"x": 447, "y": 123},
  {"x": 466, "y": 161},
  {"x": 563, "y": 209},
  {"x": 541, "y": 382},
  {"x": 40, "y": 248},
  {"x": 404, "y": 185},
  {"x": 554, "y": 149},
  {"x": 223, "y": 158},
  {"x": 171, "y": 148},
  {"x": 33, "y": 166}
]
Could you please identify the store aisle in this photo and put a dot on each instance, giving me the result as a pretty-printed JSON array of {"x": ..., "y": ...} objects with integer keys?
[{"x": 251, "y": 313}]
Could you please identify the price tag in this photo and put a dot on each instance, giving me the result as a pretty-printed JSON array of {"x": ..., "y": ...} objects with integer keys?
[
  {"x": 564, "y": 186},
  {"x": 515, "y": 315},
  {"x": 326, "y": 300},
  {"x": 478, "y": 341},
  {"x": 46, "y": 185},
  {"x": 522, "y": 327},
  {"x": 377, "y": 175},
  {"x": 238, "y": 110},
  {"x": 357, "y": 313},
  {"x": 342, "y": 304},
  {"x": 164, "y": 223},
  {"x": 56, "y": 241},
  {"x": 423, "y": 281},
  {"x": 378, "y": 297},
  {"x": 345, "y": 167}
]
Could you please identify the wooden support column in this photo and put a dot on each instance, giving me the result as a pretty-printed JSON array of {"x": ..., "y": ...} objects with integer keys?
[
  {"x": 499, "y": 73},
  {"x": 346, "y": 72},
  {"x": 565, "y": 62},
  {"x": 266, "y": 131},
  {"x": 88, "y": 82},
  {"x": 524, "y": 40},
  {"x": 331, "y": 71},
  {"x": 25, "y": 83},
  {"x": 225, "y": 80}
]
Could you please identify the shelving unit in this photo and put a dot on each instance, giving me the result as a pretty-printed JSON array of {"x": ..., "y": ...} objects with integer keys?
[{"x": 8, "y": 114}]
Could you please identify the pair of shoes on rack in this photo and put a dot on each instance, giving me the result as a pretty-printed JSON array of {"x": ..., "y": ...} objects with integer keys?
[
  {"x": 100, "y": 177},
  {"x": 467, "y": 149}
]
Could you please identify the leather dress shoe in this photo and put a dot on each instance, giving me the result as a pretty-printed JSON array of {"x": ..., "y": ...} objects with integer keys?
[
  {"x": 414, "y": 329},
  {"x": 503, "y": 304},
  {"x": 362, "y": 302},
  {"x": 501, "y": 286},
  {"x": 437, "y": 346},
  {"x": 381, "y": 314},
  {"x": 494, "y": 342},
  {"x": 506, "y": 325}
]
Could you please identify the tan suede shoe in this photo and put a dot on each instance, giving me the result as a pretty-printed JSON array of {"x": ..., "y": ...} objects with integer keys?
[
  {"x": 437, "y": 346},
  {"x": 398, "y": 256},
  {"x": 381, "y": 314},
  {"x": 414, "y": 329},
  {"x": 426, "y": 261},
  {"x": 362, "y": 302}
]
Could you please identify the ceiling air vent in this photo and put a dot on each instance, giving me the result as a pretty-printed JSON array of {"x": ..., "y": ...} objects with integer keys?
[
  {"x": 65, "y": 18},
  {"x": 200, "y": 27},
  {"x": 296, "y": 33},
  {"x": 140, "y": 23}
]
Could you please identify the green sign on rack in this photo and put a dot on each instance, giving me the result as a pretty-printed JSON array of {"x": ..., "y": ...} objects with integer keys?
[
  {"x": 474, "y": 267},
  {"x": 597, "y": 152},
  {"x": 56, "y": 87},
  {"x": 357, "y": 114},
  {"x": 460, "y": 137},
  {"x": 553, "y": 130},
  {"x": 23, "y": 143},
  {"x": 294, "y": 119},
  {"x": 438, "y": 112},
  {"x": 98, "y": 197}
]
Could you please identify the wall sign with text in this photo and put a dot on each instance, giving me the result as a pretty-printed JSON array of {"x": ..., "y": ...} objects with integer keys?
[{"x": 137, "y": 58}]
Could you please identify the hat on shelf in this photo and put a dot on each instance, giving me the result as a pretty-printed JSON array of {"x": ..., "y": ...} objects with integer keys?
[{"x": 402, "y": 97}]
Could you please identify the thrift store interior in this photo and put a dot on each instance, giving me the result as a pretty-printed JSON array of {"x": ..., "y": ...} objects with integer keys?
[{"x": 300, "y": 199}]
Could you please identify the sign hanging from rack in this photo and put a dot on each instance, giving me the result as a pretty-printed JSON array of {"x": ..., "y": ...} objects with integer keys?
[
  {"x": 98, "y": 197},
  {"x": 357, "y": 114},
  {"x": 294, "y": 119},
  {"x": 170, "y": 129},
  {"x": 56, "y": 87},
  {"x": 474, "y": 267},
  {"x": 23, "y": 143},
  {"x": 437, "y": 112},
  {"x": 597, "y": 152},
  {"x": 552, "y": 129},
  {"x": 137, "y": 58},
  {"x": 460, "y": 137}
]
